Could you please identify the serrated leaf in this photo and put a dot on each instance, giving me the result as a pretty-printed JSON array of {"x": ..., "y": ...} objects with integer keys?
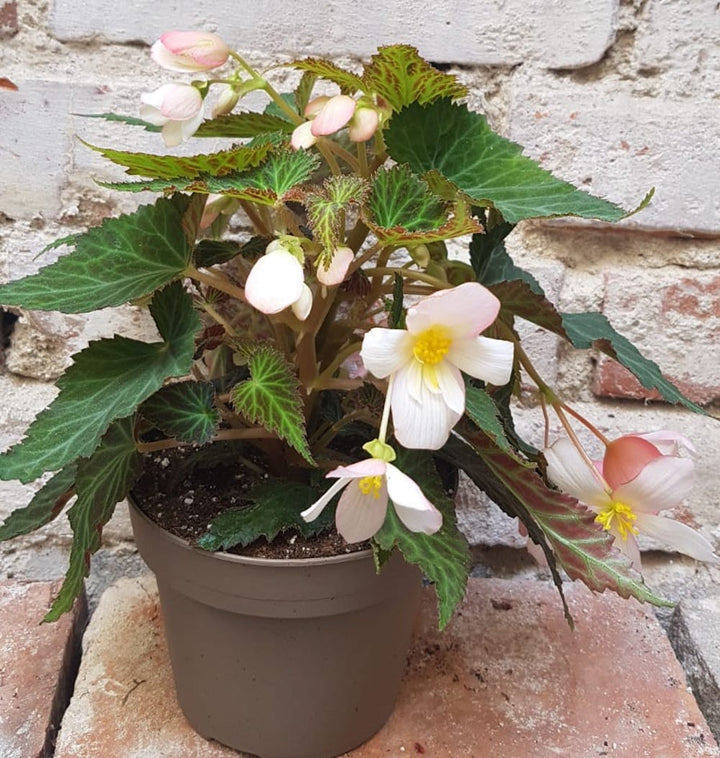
[
  {"x": 488, "y": 168},
  {"x": 213, "y": 252},
  {"x": 125, "y": 258},
  {"x": 444, "y": 557},
  {"x": 304, "y": 90},
  {"x": 482, "y": 411},
  {"x": 243, "y": 125},
  {"x": 102, "y": 481},
  {"x": 131, "y": 120},
  {"x": 107, "y": 381},
  {"x": 46, "y": 504},
  {"x": 491, "y": 261},
  {"x": 282, "y": 171},
  {"x": 185, "y": 410},
  {"x": 399, "y": 198},
  {"x": 401, "y": 76},
  {"x": 239, "y": 158},
  {"x": 271, "y": 397},
  {"x": 277, "y": 507},
  {"x": 348, "y": 83}
]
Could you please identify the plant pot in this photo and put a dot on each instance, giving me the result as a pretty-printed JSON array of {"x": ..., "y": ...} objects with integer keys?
[{"x": 282, "y": 658}]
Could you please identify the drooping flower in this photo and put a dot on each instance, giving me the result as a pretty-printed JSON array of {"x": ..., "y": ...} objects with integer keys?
[
  {"x": 632, "y": 484},
  {"x": 442, "y": 339},
  {"x": 178, "y": 108},
  {"x": 189, "y": 51},
  {"x": 368, "y": 485},
  {"x": 330, "y": 114},
  {"x": 277, "y": 281},
  {"x": 335, "y": 272},
  {"x": 227, "y": 100}
]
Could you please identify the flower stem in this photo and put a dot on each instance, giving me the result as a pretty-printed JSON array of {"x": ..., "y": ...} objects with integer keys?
[{"x": 216, "y": 280}]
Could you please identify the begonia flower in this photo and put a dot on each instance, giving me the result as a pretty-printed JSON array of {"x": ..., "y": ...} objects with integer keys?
[
  {"x": 277, "y": 281},
  {"x": 227, "y": 100},
  {"x": 363, "y": 124},
  {"x": 339, "y": 265},
  {"x": 632, "y": 484},
  {"x": 189, "y": 51},
  {"x": 441, "y": 340},
  {"x": 178, "y": 108},
  {"x": 367, "y": 486},
  {"x": 330, "y": 114}
]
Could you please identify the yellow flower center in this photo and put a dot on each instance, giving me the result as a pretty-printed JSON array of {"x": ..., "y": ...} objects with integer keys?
[
  {"x": 623, "y": 517},
  {"x": 370, "y": 484},
  {"x": 432, "y": 345}
]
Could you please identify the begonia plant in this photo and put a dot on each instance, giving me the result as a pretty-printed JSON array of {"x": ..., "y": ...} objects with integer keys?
[{"x": 312, "y": 319}]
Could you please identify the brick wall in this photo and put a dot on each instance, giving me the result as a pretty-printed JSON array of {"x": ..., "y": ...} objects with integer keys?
[{"x": 615, "y": 95}]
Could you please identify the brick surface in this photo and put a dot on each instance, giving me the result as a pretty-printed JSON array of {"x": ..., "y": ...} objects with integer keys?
[
  {"x": 36, "y": 667},
  {"x": 673, "y": 317},
  {"x": 515, "y": 31},
  {"x": 507, "y": 677},
  {"x": 8, "y": 19}
]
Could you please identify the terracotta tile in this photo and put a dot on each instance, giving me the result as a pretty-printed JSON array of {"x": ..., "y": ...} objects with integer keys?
[{"x": 36, "y": 667}]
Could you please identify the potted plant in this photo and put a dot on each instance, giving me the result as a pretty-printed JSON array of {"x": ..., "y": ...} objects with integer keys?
[{"x": 319, "y": 378}]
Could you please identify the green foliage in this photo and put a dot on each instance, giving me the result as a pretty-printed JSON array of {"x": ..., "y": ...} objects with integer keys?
[
  {"x": 102, "y": 481},
  {"x": 130, "y": 120},
  {"x": 491, "y": 261},
  {"x": 271, "y": 397},
  {"x": 107, "y": 381},
  {"x": 185, "y": 410},
  {"x": 46, "y": 504},
  {"x": 483, "y": 412},
  {"x": 399, "y": 198},
  {"x": 276, "y": 508},
  {"x": 488, "y": 168},
  {"x": 348, "y": 83},
  {"x": 444, "y": 557},
  {"x": 125, "y": 258},
  {"x": 243, "y": 125}
]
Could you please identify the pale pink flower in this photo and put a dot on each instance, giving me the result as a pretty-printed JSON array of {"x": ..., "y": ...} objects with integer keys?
[
  {"x": 636, "y": 483},
  {"x": 189, "y": 51},
  {"x": 277, "y": 281},
  {"x": 302, "y": 138},
  {"x": 363, "y": 124},
  {"x": 227, "y": 100},
  {"x": 442, "y": 339},
  {"x": 330, "y": 114},
  {"x": 368, "y": 485},
  {"x": 178, "y": 108},
  {"x": 335, "y": 272}
]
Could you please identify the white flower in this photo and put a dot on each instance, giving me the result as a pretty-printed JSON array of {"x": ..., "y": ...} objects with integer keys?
[
  {"x": 178, "y": 108},
  {"x": 362, "y": 507},
  {"x": 442, "y": 339},
  {"x": 626, "y": 506}
]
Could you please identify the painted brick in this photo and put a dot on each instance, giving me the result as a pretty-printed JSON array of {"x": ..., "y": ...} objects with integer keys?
[
  {"x": 516, "y": 31},
  {"x": 8, "y": 19},
  {"x": 673, "y": 317},
  {"x": 507, "y": 677},
  {"x": 605, "y": 138},
  {"x": 37, "y": 666}
]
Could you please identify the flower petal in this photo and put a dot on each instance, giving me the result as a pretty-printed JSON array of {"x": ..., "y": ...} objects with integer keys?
[
  {"x": 663, "y": 483},
  {"x": 359, "y": 516},
  {"x": 677, "y": 535},
  {"x": 625, "y": 458},
  {"x": 335, "y": 272},
  {"x": 302, "y": 137},
  {"x": 384, "y": 351},
  {"x": 484, "y": 358},
  {"x": 414, "y": 509},
  {"x": 311, "y": 513},
  {"x": 189, "y": 51},
  {"x": 629, "y": 547},
  {"x": 669, "y": 442},
  {"x": 452, "y": 386},
  {"x": 303, "y": 305},
  {"x": 567, "y": 470},
  {"x": 359, "y": 469},
  {"x": 465, "y": 311},
  {"x": 363, "y": 124},
  {"x": 421, "y": 418},
  {"x": 333, "y": 116},
  {"x": 275, "y": 282}
]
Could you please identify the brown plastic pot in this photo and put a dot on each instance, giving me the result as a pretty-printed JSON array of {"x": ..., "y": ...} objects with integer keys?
[{"x": 282, "y": 658}]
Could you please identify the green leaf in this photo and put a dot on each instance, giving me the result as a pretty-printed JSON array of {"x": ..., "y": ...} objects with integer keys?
[
  {"x": 488, "y": 168},
  {"x": 242, "y": 125},
  {"x": 491, "y": 261},
  {"x": 103, "y": 480},
  {"x": 213, "y": 252},
  {"x": 107, "y": 381},
  {"x": 348, "y": 83},
  {"x": 277, "y": 507},
  {"x": 282, "y": 171},
  {"x": 444, "y": 557},
  {"x": 483, "y": 412},
  {"x": 131, "y": 120},
  {"x": 402, "y": 77},
  {"x": 123, "y": 259},
  {"x": 239, "y": 158},
  {"x": 43, "y": 508},
  {"x": 185, "y": 410},
  {"x": 271, "y": 397},
  {"x": 304, "y": 90}
]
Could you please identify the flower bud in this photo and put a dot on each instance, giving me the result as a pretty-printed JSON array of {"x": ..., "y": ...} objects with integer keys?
[
  {"x": 363, "y": 124},
  {"x": 189, "y": 51},
  {"x": 226, "y": 101},
  {"x": 335, "y": 114},
  {"x": 625, "y": 458},
  {"x": 335, "y": 272},
  {"x": 178, "y": 108}
]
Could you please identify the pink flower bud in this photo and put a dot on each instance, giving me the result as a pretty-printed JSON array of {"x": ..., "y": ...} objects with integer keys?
[
  {"x": 178, "y": 108},
  {"x": 226, "y": 101},
  {"x": 315, "y": 106},
  {"x": 335, "y": 273},
  {"x": 275, "y": 282},
  {"x": 363, "y": 124},
  {"x": 335, "y": 114},
  {"x": 625, "y": 458},
  {"x": 302, "y": 137},
  {"x": 189, "y": 51}
]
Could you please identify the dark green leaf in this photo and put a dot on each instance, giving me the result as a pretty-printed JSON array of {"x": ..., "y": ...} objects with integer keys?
[
  {"x": 271, "y": 397},
  {"x": 396, "y": 319},
  {"x": 107, "y": 381},
  {"x": 185, "y": 410},
  {"x": 213, "y": 252},
  {"x": 277, "y": 507},
  {"x": 491, "y": 261},
  {"x": 348, "y": 83},
  {"x": 43, "y": 508},
  {"x": 123, "y": 259},
  {"x": 483, "y": 412},
  {"x": 103, "y": 480},
  {"x": 304, "y": 90},
  {"x": 401, "y": 76},
  {"x": 488, "y": 168},
  {"x": 243, "y": 125},
  {"x": 131, "y": 120},
  {"x": 443, "y": 557}
]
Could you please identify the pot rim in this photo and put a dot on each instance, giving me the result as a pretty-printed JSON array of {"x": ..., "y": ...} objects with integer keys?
[{"x": 248, "y": 560}]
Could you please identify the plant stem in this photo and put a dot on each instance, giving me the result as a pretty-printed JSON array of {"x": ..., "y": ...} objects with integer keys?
[
  {"x": 586, "y": 423},
  {"x": 217, "y": 280},
  {"x": 407, "y": 273},
  {"x": 347, "y": 351},
  {"x": 254, "y": 433}
]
